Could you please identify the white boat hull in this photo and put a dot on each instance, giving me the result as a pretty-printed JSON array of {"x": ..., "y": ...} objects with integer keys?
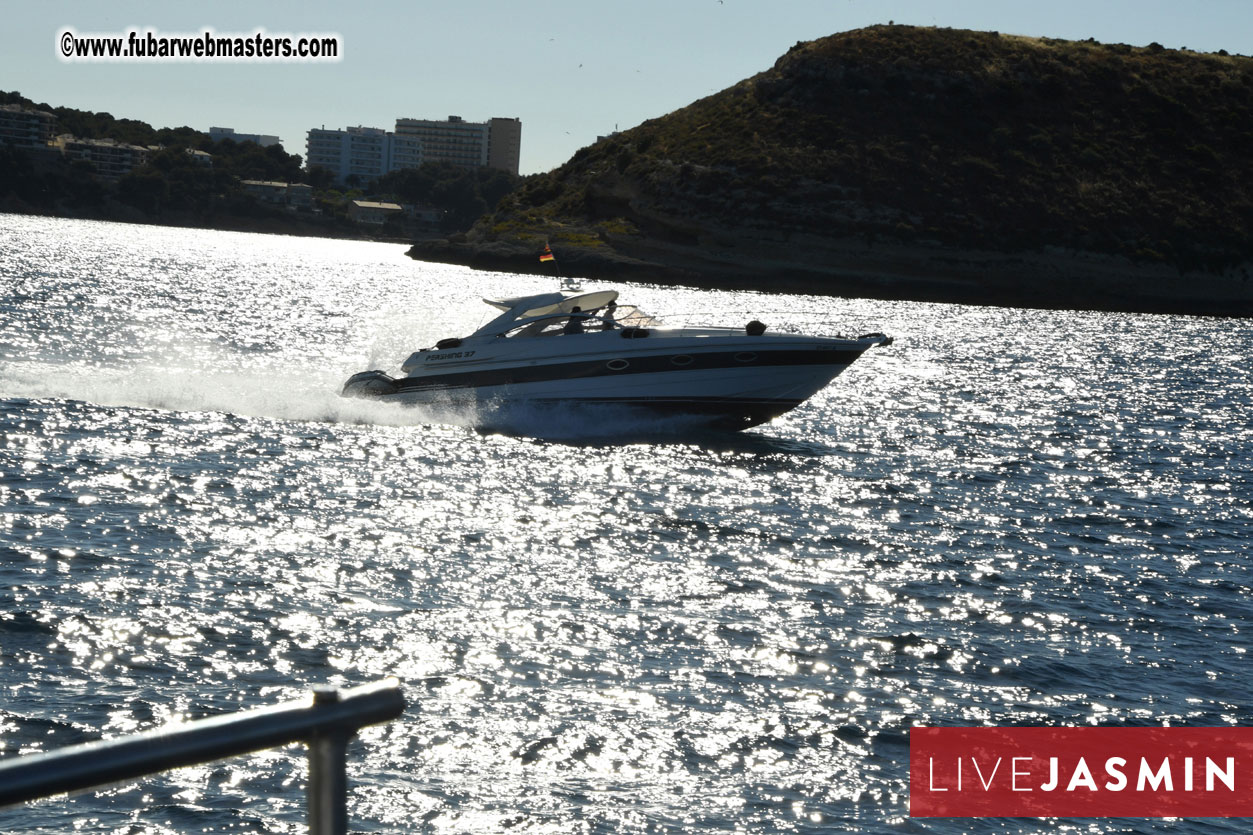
[
  {"x": 733, "y": 387},
  {"x": 548, "y": 349}
]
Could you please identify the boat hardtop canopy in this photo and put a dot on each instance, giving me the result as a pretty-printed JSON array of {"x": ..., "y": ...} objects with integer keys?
[{"x": 545, "y": 304}]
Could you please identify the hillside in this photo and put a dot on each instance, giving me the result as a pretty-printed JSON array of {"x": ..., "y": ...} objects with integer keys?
[{"x": 903, "y": 162}]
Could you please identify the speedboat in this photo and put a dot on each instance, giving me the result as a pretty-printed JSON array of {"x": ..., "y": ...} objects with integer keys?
[{"x": 580, "y": 348}]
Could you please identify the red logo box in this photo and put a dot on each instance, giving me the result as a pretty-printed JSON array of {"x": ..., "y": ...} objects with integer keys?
[{"x": 1081, "y": 772}]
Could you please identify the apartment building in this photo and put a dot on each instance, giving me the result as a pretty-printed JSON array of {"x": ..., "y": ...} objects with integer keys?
[
  {"x": 462, "y": 143},
  {"x": 111, "y": 159},
  {"x": 495, "y": 143},
  {"x": 263, "y": 139},
  {"x": 367, "y": 153},
  {"x": 25, "y": 127},
  {"x": 293, "y": 195},
  {"x": 361, "y": 152},
  {"x": 368, "y": 211},
  {"x": 504, "y": 144}
]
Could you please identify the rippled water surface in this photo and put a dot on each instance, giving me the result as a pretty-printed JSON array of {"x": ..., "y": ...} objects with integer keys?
[{"x": 1008, "y": 516}]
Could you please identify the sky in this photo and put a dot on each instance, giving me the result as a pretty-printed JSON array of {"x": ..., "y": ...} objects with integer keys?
[{"x": 571, "y": 70}]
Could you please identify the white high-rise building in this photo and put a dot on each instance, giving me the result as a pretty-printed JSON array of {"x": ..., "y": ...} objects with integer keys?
[
  {"x": 367, "y": 153},
  {"x": 361, "y": 152},
  {"x": 495, "y": 143}
]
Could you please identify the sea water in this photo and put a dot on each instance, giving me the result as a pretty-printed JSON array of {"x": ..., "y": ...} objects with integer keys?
[{"x": 602, "y": 623}]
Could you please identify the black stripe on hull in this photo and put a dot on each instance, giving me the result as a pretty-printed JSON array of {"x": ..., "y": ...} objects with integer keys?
[
  {"x": 720, "y": 413},
  {"x": 584, "y": 369}
]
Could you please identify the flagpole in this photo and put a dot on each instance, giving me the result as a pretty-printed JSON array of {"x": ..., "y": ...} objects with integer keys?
[{"x": 566, "y": 283}]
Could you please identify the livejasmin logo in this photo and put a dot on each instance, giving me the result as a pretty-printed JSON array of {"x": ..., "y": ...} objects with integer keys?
[
  {"x": 1081, "y": 772},
  {"x": 1162, "y": 779}
]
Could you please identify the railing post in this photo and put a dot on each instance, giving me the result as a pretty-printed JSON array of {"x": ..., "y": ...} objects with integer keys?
[{"x": 328, "y": 774}]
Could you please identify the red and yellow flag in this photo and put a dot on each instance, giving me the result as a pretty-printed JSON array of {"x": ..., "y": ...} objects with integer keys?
[{"x": 548, "y": 254}]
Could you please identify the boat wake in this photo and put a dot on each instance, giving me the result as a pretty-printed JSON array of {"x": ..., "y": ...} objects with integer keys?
[
  {"x": 266, "y": 394},
  {"x": 257, "y": 393}
]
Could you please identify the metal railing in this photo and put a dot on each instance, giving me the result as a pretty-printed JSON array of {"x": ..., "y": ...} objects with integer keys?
[{"x": 326, "y": 723}]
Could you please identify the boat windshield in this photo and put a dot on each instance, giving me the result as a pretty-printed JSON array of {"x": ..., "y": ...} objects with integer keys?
[
  {"x": 546, "y": 326},
  {"x": 603, "y": 319},
  {"x": 630, "y": 316}
]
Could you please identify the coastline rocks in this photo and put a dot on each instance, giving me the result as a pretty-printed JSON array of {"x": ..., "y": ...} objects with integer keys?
[{"x": 1050, "y": 279}]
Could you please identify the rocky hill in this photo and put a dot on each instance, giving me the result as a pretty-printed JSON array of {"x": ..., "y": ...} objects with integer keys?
[{"x": 903, "y": 162}]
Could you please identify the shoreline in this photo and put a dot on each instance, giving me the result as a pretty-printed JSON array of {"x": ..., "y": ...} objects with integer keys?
[
  {"x": 1047, "y": 280},
  {"x": 1051, "y": 279},
  {"x": 294, "y": 227}
]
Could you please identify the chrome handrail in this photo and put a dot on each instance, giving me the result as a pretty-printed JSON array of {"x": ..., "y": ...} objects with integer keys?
[{"x": 325, "y": 722}]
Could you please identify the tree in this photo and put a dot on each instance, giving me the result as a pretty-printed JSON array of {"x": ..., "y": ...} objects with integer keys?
[
  {"x": 320, "y": 177},
  {"x": 465, "y": 194},
  {"x": 144, "y": 188}
]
